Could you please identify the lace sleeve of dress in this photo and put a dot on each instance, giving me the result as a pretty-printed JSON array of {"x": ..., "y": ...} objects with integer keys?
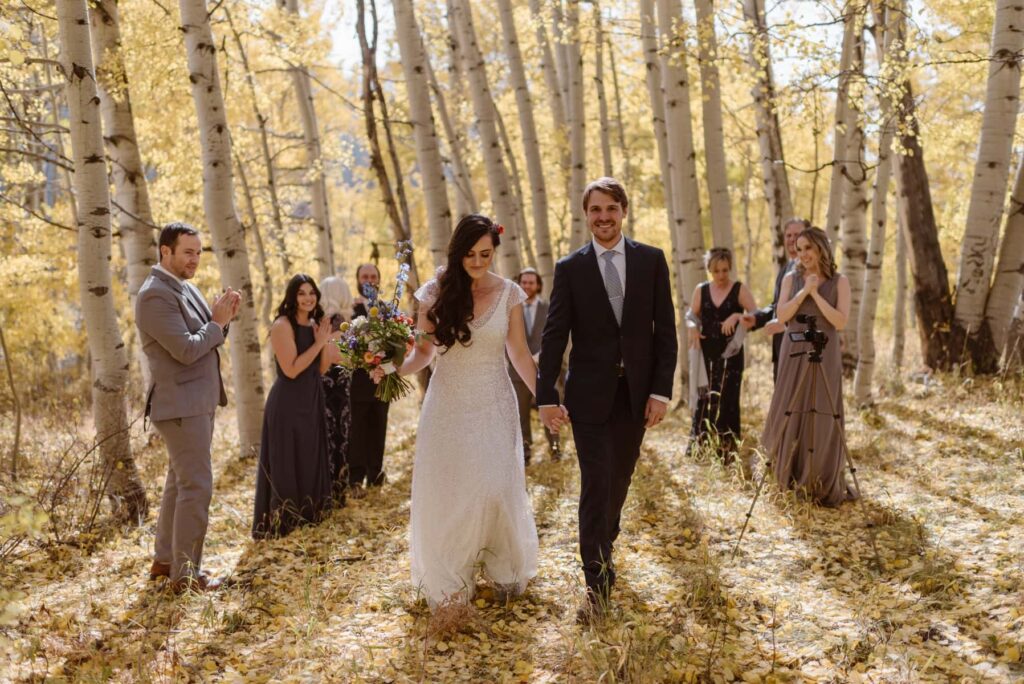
[
  {"x": 427, "y": 294},
  {"x": 515, "y": 296}
]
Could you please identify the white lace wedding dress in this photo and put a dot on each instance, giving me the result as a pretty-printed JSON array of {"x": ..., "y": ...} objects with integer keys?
[{"x": 470, "y": 508}]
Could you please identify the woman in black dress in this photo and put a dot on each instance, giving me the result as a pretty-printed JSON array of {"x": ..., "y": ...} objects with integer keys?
[
  {"x": 719, "y": 304},
  {"x": 337, "y": 382},
  {"x": 293, "y": 483}
]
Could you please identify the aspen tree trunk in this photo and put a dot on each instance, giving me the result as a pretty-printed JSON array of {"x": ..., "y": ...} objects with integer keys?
[
  {"x": 682, "y": 155},
  {"x": 544, "y": 260},
  {"x": 222, "y": 218},
  {"x": 714, "y": 138},
  {"x": 602, "y": 101},
  {"x": 399, "y": 227},
  {"x": 131, "y": 192},
  {"x": 769, "y": 135},
  {"x": 276, "y": 214},
  {"x": 526, "y": 252},
  {"x": 855, "y": 207},
  {"x": 549, "y": 68},
  {"x": 899, "y": 315},
  {"x": 1013, "y": 355},
  {"x": 483, "y": 105},
  {"x": 838, "y": 185},
  {"x": 748, "y": 258},
  {"x": 106, "y": 349},
  {"x": 627, "y": 166},
  {"x": 578, "y": 233},
  {"x": 319, "y": 206},
  {"x": 873, "y": 267},
  {"x": 560, "y": 23},
  {"x": 988, "y": 192},
  {"x": 652, "y": 64},
  {"x": 465, "y": 199},
  {"x": 457, "y": 89},
  {"x": 1009, "y": 276},
  {"x": 267, "y": 298},
  {"x": 428, "y": 154}
]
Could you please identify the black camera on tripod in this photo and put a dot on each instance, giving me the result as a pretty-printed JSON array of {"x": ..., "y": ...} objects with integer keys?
[{"x": 817, "y": 338}]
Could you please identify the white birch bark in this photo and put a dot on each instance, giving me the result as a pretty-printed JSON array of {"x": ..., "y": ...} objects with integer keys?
[
  {"x": 855, "y": 206},
  {"x": 627, "y": 166},
  {"x": 682, "y": 154},
  {"x": 106, "y": 348},
  {"x": 899, "y": 313},
  {"x": 873, "y": 266},
  {"x": 319, "y": 205},
  {"x": 428, "y": 154},
  {"x": 578, "y": 232},
  {"x": 992, "y": 167},
  {"x": 714, "y": 137},
  {"x": 1009, "y": 276},
  {"x": 465, "y": 198},
  {"x": 769, "y": 135},
  {"x": 526, "y": 253},
  {"x": 1013, "y": 355},
  {"x": 548, "y": 67},
  {"x": 852, "y": 28},
  {"x": 222, "y": 218},
  {"x": 131, "y": 192},
  {"x": 605, "y": 132},
  {"x": 483, "y": 106},
  {"x": 545, "y": 262}
]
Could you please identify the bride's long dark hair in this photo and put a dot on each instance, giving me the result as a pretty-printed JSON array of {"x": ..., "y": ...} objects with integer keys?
[{"x": 453, "y": 310}]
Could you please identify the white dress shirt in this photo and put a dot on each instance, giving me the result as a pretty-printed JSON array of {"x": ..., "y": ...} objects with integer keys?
[
  {"x": 163, "y": 270},
  {"x": 619, "y": 260}
]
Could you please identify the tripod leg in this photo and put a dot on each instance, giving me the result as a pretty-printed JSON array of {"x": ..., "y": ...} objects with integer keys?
[
  {"x": 777, "y": 452},
  {"x": 849, "y": 464}
]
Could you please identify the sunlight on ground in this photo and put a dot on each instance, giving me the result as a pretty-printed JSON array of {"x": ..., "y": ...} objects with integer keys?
[{"x": 804, "y": 599}]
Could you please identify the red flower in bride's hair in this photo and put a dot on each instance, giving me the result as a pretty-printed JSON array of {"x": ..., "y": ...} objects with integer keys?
[{"x": 500, "y": 228}]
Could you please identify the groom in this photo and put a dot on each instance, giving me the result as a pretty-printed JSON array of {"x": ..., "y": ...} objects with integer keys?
[{"x": 613, "y": 297}]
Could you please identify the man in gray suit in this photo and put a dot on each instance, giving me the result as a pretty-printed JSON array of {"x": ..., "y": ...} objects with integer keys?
[
  {"x": 535, "y": 314},
  {"x": 180, "y": 335}
]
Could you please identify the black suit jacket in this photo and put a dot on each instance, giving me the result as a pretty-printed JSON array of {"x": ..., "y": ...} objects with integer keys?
[
  {"x": 645, "y": 343},
  {"x": 764, "y": 315}
]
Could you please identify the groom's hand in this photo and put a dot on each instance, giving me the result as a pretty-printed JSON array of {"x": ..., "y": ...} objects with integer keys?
[
  {"x": 553, "y": 417},
  {"x": 655, "y": 412}
]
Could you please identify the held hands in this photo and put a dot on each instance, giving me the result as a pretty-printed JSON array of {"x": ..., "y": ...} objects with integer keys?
[
  {"x": 377, "y": 374},
  {"x": 655, "y": 412},
  {"x": 226, "y": 306},
  {"x": 554, "y": 417}
]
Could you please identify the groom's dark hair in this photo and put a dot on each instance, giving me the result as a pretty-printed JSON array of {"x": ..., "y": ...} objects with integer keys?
[
  {"x": 608, "y": 186},
  {"x": 170, "y": 233}
]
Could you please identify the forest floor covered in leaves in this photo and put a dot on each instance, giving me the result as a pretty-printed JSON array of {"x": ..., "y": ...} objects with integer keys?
[{"x": 805, "y": 598}]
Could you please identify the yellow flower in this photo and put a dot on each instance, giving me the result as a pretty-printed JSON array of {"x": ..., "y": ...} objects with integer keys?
[
  {"x": 374, "y": 311},
  {"x": 344, "y": 326}
]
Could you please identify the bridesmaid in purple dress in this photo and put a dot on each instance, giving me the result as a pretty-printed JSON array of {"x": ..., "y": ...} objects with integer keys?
[{"x": 809, "y": 456}]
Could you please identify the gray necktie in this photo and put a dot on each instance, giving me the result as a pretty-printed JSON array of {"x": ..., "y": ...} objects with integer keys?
[
  {"x": 613, "y": 285},
  {"x": 528, "y": 310}
]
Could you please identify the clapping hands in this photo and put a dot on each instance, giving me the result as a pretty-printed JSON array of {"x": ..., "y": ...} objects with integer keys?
[
  {"x": 324, "y": 332},
  {"x": 226, "y": 306}
]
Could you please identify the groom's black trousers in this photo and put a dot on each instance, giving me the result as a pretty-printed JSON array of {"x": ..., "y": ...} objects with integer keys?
[{"x": 607, "y": 453}]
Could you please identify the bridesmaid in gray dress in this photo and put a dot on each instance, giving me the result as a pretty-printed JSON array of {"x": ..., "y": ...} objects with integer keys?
[{"x": 811, "y": 459}]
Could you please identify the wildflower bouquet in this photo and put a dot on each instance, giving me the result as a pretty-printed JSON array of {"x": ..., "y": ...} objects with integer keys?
[{"x": 380, "y": 339}]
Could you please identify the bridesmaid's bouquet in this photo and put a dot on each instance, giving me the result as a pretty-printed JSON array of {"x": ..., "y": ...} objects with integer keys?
[{"x": 380, "y": 339}]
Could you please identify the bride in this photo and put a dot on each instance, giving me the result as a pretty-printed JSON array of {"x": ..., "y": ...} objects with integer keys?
[{"x": 469, "y": 504}]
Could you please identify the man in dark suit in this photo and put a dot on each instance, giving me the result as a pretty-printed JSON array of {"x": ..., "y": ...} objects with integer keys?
[
  {"x": 535, "y": 315},
  {"x": 765, "y": 317},
  {"x": 368, "y": 434},
  {"x": 180, "y": 335},
  {"x": 613, "y": 298}
]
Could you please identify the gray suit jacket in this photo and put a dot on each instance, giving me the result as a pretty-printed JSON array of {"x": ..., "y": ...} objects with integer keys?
[{"x": 180, "y": 341}]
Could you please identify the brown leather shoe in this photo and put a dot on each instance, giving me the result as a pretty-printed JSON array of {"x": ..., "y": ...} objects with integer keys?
[
  {"x": 592, "y": 610},
  {"x": 158, "y": 570},
  {"x": 200, "y": 584}
]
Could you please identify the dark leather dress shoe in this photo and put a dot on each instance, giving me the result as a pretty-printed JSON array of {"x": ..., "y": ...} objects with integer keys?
[
  {"x": 158, "y": 570},
  {"x": 200, "y": 584}
]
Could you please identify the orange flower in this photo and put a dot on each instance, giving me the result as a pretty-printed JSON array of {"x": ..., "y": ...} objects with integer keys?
[{"x": 368, "y": 357}]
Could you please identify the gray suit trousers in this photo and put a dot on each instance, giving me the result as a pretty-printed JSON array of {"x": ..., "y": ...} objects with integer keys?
[{"x": 185, "y": 508}]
